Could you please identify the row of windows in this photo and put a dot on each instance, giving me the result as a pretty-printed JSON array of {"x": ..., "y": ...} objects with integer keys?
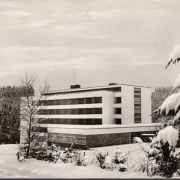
[
  {"x": 71, "y": 121},
  {"x": 70, "y": 111},
  {"x": 91, "y": 100},
  {"x": 75, "y": 111},
  {"x": 137, "y": 105},
  {"x": 62, "y": 138}
]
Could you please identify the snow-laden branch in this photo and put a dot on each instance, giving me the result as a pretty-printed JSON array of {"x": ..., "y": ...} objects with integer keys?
[
  {"x": 170, "y": 106},
  {"x": 175, "y": 56}
]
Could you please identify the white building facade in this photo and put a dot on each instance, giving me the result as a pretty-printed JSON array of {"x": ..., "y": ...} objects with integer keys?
[{"x": 112, "y": 104}]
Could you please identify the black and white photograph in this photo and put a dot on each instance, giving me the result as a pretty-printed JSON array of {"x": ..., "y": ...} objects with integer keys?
[{"x": 89, "y": 89}]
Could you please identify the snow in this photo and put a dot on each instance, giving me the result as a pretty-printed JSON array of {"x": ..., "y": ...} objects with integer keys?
[
  {"x": 170, "y": 103},
  {"x": 137, "y": 140},
  {"x": 10, "y": 167},
  {"x": 168, "y": 134},
  {"x": 174, "y": 55}
]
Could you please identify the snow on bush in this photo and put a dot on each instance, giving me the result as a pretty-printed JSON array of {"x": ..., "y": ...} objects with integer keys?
[
  {"x": 137, "y": 140},
  {"x": 163, "y": 157},
  {"x": 108, "y": 163},
  {"x": 122, "y": 167},
  {"x": 168, "y": 134}
]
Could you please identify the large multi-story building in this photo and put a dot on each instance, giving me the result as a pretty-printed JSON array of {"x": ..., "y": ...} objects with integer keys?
[
  {"x": 96, "y": 116},
  {"x": 112, "y": 104}
]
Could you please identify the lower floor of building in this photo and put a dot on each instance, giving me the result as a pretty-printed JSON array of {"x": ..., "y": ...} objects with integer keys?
[{"x": 99, "y": 136}]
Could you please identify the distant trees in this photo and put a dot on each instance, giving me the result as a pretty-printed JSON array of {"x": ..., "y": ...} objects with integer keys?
[{"x": 10, "y": 113}]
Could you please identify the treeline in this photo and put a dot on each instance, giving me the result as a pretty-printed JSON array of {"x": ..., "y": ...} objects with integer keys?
[{"x": 10, "y": 112}]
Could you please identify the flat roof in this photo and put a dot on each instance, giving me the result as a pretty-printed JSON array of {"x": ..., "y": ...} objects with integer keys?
[
  {"x": 90, "y": 88},
  {"x": 99, "y": 126}
]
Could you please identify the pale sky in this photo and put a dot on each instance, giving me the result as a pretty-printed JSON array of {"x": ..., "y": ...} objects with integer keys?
[{"x": 100, "y": 41}]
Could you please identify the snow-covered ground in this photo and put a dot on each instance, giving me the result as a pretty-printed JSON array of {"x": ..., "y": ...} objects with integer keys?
[{"x": 31, "y": 168}]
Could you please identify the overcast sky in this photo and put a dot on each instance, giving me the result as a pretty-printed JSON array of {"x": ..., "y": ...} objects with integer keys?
[{"x": 95, "y": 41}]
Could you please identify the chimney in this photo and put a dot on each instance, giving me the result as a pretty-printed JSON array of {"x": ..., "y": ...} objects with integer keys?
[{"x": 76, "y": 86}]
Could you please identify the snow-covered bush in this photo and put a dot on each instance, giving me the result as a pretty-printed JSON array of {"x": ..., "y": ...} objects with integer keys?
[
  {"x": 119, "y": 157},
  {"x": 81, "y": 160},
  {"x": 163, "y": 157},
  {"x": 117, "y": 161},
  {"x": 122, "y": 167}
]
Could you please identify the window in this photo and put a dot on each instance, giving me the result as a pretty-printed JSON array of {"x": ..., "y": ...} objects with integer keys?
[
  {"x": 137, "y": 114},
  {"x": 97, "y": 110},
  {"x": 81, "y": 140},
  {"x": 80, "y": 111},
  {"x": 137, "y": 110},
  {"x": 117, "y": 110},
  {"x": 70, "y": 139},
  {"x": 137, "y": 95},
  {"x": 117, "y": 121},
  {"x": 88, "y": 100},
  {"x": 56, "y": 102},
  {"x": 89, "y": 111},
  {"x": 137, "y": 120},
  {"x": 72, "y": 101},
  {"x": 61, "y": 138},
  {"x": 80, "y": 101},
  {"x": 117, "y": 100},
  {"x": 97, "y": 100},
  {"x": 56, "y": 121},
  {"x": 72, "y": 111},
  {"x": 66, "y": 121},
  {"x": 137, "y": 89},
  {"x": 65, "y": 101},
  {"x": 72, "y": 121},
  {"x": 88, "y": 121},
  {"x": 80, "y": 121}
]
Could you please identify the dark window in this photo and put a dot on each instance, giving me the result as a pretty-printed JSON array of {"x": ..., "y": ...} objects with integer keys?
[
  {"x": 72, "y": 121},
  {"x": 80, "y": 111},
  {"x": 137, "y": 120},
  {"x": 97, "y": 110},
  {"x": 137, "y": 96},
  {"x": 72, "y": 101},
  {"x": 65, "y": 101},
  {"x": 80, "y": 121},
  {"x": 97, "y": 121},
  {"x": 72, "y": 111},
  {"x": 56, "y": 121},
  {"x": 88, "y": 100},
  {"x": 117, "y": 110},
  {"x": 117, "y": 121},
  {"x": 80, "y": 101},
  {"x": 97, "y": 100},
  {"x": 88, "y": 121},
  {"x": 56, "y": 102},
  {"x": 117, "y": 100},
  {"x": 89, "y": 111}
]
